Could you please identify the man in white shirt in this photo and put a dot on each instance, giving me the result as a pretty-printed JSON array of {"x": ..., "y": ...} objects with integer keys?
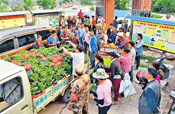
[
  {"x": 86, "y": 39},
  {"x": 133, "y": 52},
  {"x": 78, "y": 56}
]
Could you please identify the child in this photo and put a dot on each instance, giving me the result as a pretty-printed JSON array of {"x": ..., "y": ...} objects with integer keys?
[{"x": 156, "y": 65}]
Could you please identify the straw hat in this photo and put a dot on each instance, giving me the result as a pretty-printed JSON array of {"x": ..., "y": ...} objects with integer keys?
[
  {"x": 79, "y": 69},
  {"x": 100, "y": 74}
]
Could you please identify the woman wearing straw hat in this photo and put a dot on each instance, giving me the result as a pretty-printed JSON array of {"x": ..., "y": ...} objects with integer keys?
[{"x": 103, "y": 99}]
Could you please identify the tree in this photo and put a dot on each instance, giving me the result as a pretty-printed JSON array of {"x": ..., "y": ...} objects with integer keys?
[
  {"x": 117, "y": 4},
  {"x": 86, "y": 2},
  {"x": 28, "y": 4},
  {"x": 164, "y": 6},
  {"x": 121, "y": 4},
  {"x": 65, "y": 1},
  {"x": 17, "y": 8},
  {"x": 4, "y": 2},
  {"x": 92, "y": 8},
  {"x": 3, "y": 5},
  {"x": 47, "y": 4}
]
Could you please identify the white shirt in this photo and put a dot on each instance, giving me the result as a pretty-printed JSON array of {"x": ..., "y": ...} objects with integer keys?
[
  {"x": 133, "y": 52},
  {"x": 87, "y": 37},
  {"x": 78, "y": 58},
  {"x": 89, "y": 44},
  {"x": 101, "y": 20}
]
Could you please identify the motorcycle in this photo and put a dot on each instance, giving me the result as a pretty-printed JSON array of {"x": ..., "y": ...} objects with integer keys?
[{"x": 140, "y": 76}]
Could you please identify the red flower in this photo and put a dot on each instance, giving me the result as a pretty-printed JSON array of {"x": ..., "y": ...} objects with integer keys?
[
  {"x": 26, "y": 56},
  {"x": 28, "y": 66},
  {"x": 17, "y": 63}
]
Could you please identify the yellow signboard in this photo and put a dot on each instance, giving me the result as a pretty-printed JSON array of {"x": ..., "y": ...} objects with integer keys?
[
  {"x": 12, "y": 21},
  {"x": 155, "y": 35}
]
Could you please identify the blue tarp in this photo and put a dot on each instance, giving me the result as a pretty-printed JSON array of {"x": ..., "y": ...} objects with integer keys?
[
  {"x": 152, "y": 20},
  {"x": 121, "y": 13}
]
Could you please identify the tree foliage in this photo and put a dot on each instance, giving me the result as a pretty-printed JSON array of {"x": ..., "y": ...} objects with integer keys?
[
  {"x": 67, "y": 1},
  {"x": 17, "y": 8},
  {"x": 92, "y": 8},
  {"x": 47, "y": 4},
  {"x": 86, "y": 2},
  {"x": 164, "y": 6},
  {"x": 121, "y": 4},
  {"x": 156, "y": 16},
  {"x": 28, "y": 4},
  {"x": 4, "y": 2},
  {"x": 3, "y": 5}
]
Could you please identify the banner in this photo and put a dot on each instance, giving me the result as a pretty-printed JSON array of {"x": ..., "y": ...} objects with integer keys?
[
  {"x": 12, "y": 21},
  {"x": 155, "y": 35}
]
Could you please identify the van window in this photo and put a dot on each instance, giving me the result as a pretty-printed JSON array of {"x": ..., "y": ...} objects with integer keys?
[
  {"x": 11, "y": 92},
  {"x": 6, "y": 45},
  {"x": 45, "y": 34},
  {"x": 25, "y": 40}
]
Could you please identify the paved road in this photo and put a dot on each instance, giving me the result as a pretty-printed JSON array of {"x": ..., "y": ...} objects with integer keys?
[{"x": 127, "y": 105}]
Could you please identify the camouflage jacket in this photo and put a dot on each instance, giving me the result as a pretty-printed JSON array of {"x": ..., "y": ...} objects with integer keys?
[{"x": 81, "y": 87}]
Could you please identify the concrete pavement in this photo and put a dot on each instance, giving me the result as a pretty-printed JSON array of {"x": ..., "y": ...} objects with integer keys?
[{"x": 127, "y": 105}]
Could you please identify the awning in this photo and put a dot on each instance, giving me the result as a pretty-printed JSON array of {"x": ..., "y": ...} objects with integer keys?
[{"x": 152, "y": 20}]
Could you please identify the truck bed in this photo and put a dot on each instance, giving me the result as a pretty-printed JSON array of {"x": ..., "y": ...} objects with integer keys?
[{"x": 52, "y": 93}]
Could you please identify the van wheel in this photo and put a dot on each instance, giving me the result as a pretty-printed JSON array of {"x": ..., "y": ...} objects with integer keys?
[{"x": 66, "y": 96}]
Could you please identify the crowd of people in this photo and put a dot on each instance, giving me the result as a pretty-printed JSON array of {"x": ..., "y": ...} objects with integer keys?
[{"x": 87, "y": 35}]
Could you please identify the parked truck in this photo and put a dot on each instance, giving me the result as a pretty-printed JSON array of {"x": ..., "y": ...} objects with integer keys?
[
  {"x": 29, "y": 80},
  {"x": 15, "y": 78}
]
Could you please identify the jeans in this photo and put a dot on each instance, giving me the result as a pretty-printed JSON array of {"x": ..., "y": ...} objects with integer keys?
[
  {"x": 138, "y": 61},
  {"x": 116, "y": 85},
  {"x": 81, "y": 41},
  {"x": 92, "y": 59},
  {"x": 85, "y": 47},
  {"x": 131, "y": 74},
  {"x": 82, "y": 20},
  {"x": 103, "y": 110}
]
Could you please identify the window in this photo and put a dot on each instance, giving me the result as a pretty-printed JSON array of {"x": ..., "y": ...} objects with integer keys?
[
  {"x": 6, "y": 45},
  {"x": 25, "y": 40},
  {"x": 11, "y": 92},
  {"x": 45, "y": 34}
]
